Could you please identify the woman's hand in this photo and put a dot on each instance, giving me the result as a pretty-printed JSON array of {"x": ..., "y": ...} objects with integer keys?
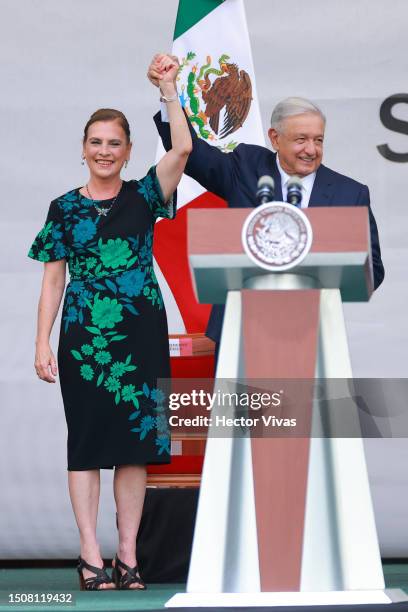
[
  {"x": 45, "y": 363},
  {"x": 163, "y": 69},
  {"x": 168, "y": 67}
]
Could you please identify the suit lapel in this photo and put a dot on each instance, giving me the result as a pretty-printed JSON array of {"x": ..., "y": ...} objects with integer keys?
[{"x": 323, "y": 188}]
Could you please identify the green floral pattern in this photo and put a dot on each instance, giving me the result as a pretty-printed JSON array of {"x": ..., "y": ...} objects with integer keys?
[
  {"x": 48, "y": 244},
  {"x": 112, "y": 279},
  {"x": 114, "y": 253},
  {"x": 106, "y": 312},
  {"x": 126, "y": 392},
  {"x": 87, "y": 371},
  {"x": 100, "y": 342}
]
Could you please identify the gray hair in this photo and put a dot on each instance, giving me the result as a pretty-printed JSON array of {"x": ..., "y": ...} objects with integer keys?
[{"x": 290, "y": 107}]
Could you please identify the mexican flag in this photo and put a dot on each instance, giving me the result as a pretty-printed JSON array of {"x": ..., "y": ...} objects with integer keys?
[{"x": 216, "y": 85}]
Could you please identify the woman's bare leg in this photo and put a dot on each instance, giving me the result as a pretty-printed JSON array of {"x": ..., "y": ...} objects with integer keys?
[
  {"x": 129, "y": 488},
  {"x": 84, "y": 488}
]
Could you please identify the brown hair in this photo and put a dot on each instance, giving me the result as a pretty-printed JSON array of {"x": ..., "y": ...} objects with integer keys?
[{"x": 108, "y": 114}]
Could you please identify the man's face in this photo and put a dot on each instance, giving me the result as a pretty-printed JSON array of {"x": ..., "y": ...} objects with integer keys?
[{"x": 299, "y": 143}]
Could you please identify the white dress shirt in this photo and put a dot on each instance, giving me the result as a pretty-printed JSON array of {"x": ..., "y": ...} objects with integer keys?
[{"x": 306, "y": 181}]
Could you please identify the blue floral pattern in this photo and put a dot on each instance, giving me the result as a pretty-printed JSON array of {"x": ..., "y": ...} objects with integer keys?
[
  {"x": 150, "y": 189},
  {"x": 84, "y": 230},
  {"x": 131, "y": 283}
]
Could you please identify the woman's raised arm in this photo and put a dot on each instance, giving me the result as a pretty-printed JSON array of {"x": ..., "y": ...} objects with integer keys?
[{"x": 171, "y": 166}]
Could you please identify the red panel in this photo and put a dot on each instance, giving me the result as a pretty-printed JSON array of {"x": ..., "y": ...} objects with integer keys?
[
  {"x": 180, "y": 464},
  {"x": 280, "y": 342},
  {"x": 170, "y": 251},
  {"x": 197, "y": 366}
]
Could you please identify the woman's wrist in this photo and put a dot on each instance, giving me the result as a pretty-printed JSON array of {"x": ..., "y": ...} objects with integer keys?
[
  {"x": 168, "y": 99},
  {"x": 42, "y": 341},
  {"x": 168, "y": 90}
]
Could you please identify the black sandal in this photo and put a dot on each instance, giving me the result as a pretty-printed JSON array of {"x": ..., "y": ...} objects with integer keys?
[
  {"x": 93, "y": 583},
  {"x": 131, "y": 576}
]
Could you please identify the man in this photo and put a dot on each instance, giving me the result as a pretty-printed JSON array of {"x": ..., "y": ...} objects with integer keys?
[{"x": 296, "y": 134}]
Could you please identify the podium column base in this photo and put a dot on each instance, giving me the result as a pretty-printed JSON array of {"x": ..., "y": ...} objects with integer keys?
[{"x": 301, "y": 598}]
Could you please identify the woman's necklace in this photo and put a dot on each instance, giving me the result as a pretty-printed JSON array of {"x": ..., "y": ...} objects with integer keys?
[{"x": 103, "y": 211}]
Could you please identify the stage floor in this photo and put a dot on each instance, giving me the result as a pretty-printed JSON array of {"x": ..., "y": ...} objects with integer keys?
[{"x": 64, "y": 580}]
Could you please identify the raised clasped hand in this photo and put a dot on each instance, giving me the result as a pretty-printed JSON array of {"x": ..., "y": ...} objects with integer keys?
[{"x": 163, "y": 69}]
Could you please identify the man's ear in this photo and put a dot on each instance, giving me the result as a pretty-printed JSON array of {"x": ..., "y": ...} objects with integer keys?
[{"x": 274, "y": 138}]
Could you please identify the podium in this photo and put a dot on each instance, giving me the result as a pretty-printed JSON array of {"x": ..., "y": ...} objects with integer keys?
[{"x": 289, "y": 514}]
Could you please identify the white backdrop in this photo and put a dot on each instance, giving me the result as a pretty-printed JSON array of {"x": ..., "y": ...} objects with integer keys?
[{"x": 59, "y": 61}]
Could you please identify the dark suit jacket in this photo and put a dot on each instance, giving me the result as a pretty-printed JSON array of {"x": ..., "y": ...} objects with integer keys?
[{"x": 234, "y": 177}]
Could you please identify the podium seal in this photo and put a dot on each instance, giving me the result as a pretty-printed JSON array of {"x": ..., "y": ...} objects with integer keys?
[{"x": 277, "y": 236}]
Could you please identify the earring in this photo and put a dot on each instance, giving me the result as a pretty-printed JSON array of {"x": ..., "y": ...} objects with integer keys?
[
  {"x": 126, "y": 163},
  {"x": 83, "y": 161}
]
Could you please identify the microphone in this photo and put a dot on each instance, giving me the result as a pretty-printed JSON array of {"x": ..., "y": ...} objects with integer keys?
[
  {"x": 294, "y": 195},
  {"x": 266, "y": 190}
]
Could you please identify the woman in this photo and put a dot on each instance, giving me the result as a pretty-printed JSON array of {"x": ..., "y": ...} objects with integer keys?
[{"x": 113, "y": 342}]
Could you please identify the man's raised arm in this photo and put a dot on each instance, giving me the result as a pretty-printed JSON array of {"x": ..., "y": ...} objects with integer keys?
[{"x": 206, "y": 164}]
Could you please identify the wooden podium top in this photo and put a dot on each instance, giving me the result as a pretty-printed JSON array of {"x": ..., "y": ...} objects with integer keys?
[
  {"x": 337, "y": 229},
  {"x": 340, "y": 255}
]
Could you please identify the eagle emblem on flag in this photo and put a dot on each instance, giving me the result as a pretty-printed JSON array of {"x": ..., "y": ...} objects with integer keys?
[{"x": 217, "y": 99}]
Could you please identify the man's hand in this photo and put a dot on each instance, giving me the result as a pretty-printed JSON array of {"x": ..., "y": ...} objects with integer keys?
[{"x": 163, "y": 69}]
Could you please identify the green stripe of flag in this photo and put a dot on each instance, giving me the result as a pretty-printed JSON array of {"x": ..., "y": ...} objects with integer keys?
[{"x": 190, "y": 12}]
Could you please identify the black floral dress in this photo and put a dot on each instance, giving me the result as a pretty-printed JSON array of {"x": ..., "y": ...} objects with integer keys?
[{"x": 113, "y": 344}]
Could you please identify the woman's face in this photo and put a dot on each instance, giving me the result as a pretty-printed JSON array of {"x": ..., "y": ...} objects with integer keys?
[{"x": 106, "y": 149}]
